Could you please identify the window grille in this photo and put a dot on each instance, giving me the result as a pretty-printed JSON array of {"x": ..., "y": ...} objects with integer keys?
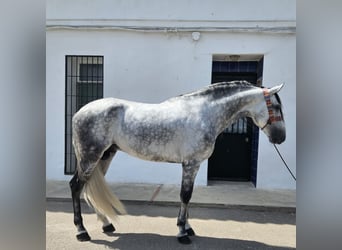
[{"x": 83, "y": 84}]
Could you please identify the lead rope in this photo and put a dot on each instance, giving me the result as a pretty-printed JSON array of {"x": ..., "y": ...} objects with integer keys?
[{"x": 281, "y": 157}]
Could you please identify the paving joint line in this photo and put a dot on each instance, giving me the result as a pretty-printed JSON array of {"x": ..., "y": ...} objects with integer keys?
[{"x": 156, "y": 192}]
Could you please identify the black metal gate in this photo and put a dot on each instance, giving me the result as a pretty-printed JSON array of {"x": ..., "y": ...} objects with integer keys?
[
  {"x": 235, "y": 154},
  {"x": 83, "y": 84}
]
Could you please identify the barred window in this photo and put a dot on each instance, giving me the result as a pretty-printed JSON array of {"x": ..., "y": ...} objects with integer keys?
[{"x": 83, "y": 84}]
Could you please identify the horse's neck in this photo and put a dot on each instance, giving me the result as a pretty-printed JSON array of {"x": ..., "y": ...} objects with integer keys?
[{"x": 231, "y": 108}]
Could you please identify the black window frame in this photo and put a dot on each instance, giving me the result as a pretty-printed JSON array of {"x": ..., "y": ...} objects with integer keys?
[{"x": 84, "y": 78}]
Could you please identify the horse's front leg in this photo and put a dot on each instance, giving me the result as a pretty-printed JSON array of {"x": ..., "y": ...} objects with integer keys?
[
  {"x": 188, "y": 178},
  {"x": 76, "y": 186}
]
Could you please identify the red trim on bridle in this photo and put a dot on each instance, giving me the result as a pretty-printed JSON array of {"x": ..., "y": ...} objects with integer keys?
[{"x": 271, "y": 117}]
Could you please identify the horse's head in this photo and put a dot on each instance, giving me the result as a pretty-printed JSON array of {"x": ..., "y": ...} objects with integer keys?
[{"x": 270, "y": 116}]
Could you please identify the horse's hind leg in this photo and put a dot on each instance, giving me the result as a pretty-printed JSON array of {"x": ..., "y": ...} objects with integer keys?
[
  {"x": 76, "y": 185},
  {"x": 188, "y": 178},
  {"x": 104, "y": 165}
]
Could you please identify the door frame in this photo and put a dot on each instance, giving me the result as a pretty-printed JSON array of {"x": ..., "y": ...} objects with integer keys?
[{"x": 250, "y": 64}]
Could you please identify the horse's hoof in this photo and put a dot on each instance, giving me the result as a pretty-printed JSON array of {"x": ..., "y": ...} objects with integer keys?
[
  {"x": 190, "y": 232},
  {"x": 184, "y": 239},
  {"x": 83, "y": 237},
  {"x": 108, "y": 229}
]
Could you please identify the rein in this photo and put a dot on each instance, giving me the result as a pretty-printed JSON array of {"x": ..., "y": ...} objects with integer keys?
[
  {"x": 281, "y": 157},
  {"x": 271, "y": 117}
]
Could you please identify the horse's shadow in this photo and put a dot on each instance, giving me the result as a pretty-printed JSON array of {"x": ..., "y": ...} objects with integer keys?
[{"x": 132, "y": 241}]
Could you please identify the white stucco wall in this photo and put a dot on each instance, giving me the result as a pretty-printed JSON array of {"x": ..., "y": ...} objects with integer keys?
[
  {"x": 147, "y": 11},
  {"x": 152, "y": 66}
]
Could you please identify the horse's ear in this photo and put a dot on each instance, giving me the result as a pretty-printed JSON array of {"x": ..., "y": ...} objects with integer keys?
[{"x": 276, "y": 89}]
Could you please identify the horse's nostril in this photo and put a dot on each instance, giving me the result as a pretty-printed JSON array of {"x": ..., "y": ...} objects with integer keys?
[{"x": 278, "y": 139}]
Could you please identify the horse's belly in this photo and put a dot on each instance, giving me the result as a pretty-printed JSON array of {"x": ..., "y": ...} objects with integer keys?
[
  {"x": 174, "y": 152},
  {"x": 155, "y": 153}
]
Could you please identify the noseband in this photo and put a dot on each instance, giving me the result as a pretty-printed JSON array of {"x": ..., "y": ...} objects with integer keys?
[{"x": 271, "y": 117}]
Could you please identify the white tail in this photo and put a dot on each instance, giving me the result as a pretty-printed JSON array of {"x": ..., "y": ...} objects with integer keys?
[{"x": 98, "y": 195}]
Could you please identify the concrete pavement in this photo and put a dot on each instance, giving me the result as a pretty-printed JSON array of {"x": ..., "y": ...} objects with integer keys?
[
  {"x": 153, "y": 227},
  {"x": 267, "y": 219},
  {"x": 227, "y": 194}
]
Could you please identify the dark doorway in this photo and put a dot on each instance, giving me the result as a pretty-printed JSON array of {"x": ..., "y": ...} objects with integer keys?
[{"x": 235, "y": 154}]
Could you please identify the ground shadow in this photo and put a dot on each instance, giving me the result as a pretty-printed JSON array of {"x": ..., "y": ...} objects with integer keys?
[
  {"x": 130, "y": 241},
  {"x": 222, "y": 214}
]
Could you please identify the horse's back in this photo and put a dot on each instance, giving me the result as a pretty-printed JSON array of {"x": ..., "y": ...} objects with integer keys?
[{"x": 100, "y": 106}]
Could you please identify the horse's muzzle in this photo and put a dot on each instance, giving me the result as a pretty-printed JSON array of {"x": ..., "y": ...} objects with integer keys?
[{"x": 277, "y": 138}]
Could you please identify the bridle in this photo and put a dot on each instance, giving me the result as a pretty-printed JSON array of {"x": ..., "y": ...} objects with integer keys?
[{"x": 271, "y": 117}]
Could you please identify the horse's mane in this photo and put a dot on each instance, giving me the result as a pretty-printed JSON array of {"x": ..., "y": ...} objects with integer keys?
[{"x": 221, "y": 89}]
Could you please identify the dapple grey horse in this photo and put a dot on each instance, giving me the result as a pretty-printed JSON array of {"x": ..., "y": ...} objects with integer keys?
[{"x": 182, "y": 130}]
